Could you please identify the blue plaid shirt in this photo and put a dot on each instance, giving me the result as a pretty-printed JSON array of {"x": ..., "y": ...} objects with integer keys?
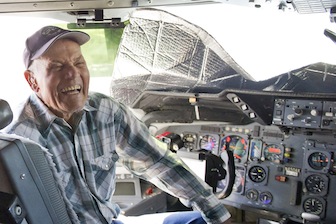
[{"x": 86, "y": 156}]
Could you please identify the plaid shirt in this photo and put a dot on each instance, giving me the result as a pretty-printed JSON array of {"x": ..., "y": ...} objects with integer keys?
[{"x": 86, "y": 155}]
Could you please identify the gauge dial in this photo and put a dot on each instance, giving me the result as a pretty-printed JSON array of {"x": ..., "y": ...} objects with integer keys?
[
  {"x": 236, "y": 144},
  {"x": 313, "y": 206},
  {"x": 273, "y": 152},
  {"x": 318, "y": 160},
  {"x": 209, "y": 143},
  {"x": 315, "y": 184},
  {"x": 252, "y": 194},
  {"x": 189, "y": 140},
  {"x": 257, "y": 174},
  {"x": 265, "y": 197}
]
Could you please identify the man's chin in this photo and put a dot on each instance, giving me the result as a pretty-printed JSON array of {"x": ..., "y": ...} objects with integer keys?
[{"x": 74, "y": 106}]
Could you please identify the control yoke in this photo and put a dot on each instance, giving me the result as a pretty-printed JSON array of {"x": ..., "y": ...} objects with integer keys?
[{"x": 220, "y": 173}]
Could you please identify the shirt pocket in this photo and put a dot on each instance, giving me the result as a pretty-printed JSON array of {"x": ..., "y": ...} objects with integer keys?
[{"x": 105, "y": 162}]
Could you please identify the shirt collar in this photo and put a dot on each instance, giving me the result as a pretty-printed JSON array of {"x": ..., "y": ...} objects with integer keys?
[
  {"x": 45, "y": 117},
  {"x": 41, "y": 110}
]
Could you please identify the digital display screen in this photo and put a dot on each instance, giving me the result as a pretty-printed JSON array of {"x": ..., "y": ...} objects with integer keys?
[{"x": 125, "y": 188}]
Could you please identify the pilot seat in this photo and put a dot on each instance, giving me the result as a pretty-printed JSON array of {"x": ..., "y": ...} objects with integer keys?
[{"x": 29, "y": 191}]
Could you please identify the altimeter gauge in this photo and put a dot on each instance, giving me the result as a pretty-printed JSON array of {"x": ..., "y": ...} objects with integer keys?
[
  {"x": 316, "y": 184},
  {"x": 313, "y": 205}
]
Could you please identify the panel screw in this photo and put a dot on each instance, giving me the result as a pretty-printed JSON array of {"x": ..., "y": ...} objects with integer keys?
[{"x": 18, "y": 210}]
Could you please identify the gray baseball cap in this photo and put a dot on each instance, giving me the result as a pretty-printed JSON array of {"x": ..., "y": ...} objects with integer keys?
[{"x": 41, "y": 40}]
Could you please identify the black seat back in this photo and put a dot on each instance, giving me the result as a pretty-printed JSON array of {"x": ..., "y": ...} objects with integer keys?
[{"x": 29, "y": 189}]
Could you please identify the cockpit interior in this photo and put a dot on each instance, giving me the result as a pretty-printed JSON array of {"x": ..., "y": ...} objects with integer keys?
[{"x": 201, "y": 98}]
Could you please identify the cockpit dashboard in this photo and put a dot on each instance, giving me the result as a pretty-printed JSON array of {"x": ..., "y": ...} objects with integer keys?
[{"x": 284, "y": 152}]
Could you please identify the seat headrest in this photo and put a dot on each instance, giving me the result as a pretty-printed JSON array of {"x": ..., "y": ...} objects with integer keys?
[{"x": 6, "y": 114}]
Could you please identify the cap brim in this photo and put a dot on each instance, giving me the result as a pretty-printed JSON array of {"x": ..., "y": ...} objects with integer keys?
[{"x": 77, "y": 36}]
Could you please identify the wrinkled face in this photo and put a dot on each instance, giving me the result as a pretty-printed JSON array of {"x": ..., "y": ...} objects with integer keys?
[{"x": 60, "y": 78}]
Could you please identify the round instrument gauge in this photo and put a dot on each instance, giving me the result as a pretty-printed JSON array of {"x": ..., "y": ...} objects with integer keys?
[
  {"x": 318, "y": 160},
  {"x": 257, "y": 174},
  {"x": 315, "y": 184},
  {"x": 236, "y": 144},
  {"x": 252, "y": 194},
  {"x": 313, "y": 206},
  {"x": 265, "y": 197},
  {"x": 189, "y": 140},
  {"x": 273, "y": 152},
  {"x": 208, "y": 142}
]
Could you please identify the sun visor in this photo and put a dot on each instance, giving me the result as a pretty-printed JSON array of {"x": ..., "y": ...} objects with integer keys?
[{"x": 163, "y": 52}]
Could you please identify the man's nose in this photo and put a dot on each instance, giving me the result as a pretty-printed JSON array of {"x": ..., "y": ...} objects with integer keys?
[{"x": 71, "y": 71}]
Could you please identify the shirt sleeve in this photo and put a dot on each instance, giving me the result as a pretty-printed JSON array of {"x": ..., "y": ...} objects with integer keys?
[{"x": 149, "y": 158}]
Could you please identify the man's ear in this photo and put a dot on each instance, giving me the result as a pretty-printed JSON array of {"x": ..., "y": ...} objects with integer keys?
[{"x": 30, "y": 78}]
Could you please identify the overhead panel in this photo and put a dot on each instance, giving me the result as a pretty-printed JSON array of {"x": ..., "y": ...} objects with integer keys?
[
  {"x": 43, "y": 5},
  {"x": 301, "y": 6}
]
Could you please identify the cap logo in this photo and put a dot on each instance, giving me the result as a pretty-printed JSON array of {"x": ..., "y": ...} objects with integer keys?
[{"x": 51, "y": 31}]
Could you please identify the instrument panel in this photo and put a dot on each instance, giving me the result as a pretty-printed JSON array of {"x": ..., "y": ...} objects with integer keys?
[{"x": 285, "y": 169}]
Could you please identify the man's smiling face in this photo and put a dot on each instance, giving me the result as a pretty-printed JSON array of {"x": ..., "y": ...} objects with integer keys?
[{"x": 60, "y": 78}]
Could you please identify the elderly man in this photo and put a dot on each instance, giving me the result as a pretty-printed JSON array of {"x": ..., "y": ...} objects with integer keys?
[{"x": 87, "y": 133}]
